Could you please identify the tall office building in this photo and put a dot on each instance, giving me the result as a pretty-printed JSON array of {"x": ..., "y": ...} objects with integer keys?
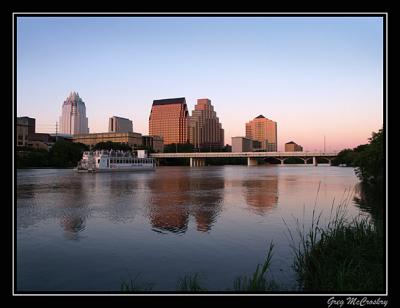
[
  {"x": 73, "y": 119},
  {"x": 204, "y": 128},
  {"x": 265, "y": 131},
  {"x": 119, "y": 125},
  {"x": 169, "y": 119}
]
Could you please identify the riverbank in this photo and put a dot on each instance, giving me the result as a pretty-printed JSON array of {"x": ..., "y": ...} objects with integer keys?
[{"x": 347, "y": 258}]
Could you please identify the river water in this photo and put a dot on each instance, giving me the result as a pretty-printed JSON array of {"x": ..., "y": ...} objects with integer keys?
[{"x": 90, "y": 232}]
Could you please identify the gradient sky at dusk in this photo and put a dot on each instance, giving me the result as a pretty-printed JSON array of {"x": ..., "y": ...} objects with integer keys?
[{"x": 315, "y": 76}]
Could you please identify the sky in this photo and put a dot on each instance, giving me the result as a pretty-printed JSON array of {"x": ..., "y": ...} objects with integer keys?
[{"x": 314, "y": 76}]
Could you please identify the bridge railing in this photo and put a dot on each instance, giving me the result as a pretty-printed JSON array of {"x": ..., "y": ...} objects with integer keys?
[{"x": 243, "y": 154}]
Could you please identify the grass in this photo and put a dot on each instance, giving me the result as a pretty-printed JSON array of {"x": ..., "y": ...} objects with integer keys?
[
  {"x": 347, "y": 258},
  {"x": 257, "y": 281},
  {"x": 343, "y": 256},
  {"x": 133, "y": 287},
  {"x": 190, "y": 283}
]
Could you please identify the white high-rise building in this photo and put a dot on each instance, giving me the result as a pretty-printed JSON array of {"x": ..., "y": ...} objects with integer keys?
[{"x": 73, "y": 119}]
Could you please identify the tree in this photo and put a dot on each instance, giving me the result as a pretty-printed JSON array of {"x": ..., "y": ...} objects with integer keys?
[
  {"x": 178, "y": 147},
  {"x": 32, "y": 158},
  {"x": 367, "y": 158},
  {"x": 66, "y": 154},
  {"x": 346, "y": 156},
  {"x": 370, "y": 160}
]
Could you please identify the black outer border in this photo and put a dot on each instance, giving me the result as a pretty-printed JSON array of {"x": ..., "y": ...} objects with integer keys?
[{"x": 296, "y": 298}]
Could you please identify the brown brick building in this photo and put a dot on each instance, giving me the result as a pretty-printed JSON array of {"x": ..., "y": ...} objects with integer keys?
[{"x": 169, "y": 119}]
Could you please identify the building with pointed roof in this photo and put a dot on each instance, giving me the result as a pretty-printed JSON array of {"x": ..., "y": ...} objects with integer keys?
[
  {"x": 265, "y": 131},
  {"x": 73, "y": 118}
]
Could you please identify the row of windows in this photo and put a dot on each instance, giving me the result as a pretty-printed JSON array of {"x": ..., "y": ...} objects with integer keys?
[{"x": 130, "y": 160}]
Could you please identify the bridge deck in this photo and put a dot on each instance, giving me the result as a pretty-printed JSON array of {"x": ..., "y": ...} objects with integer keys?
[{"x": 242, "y": 154}]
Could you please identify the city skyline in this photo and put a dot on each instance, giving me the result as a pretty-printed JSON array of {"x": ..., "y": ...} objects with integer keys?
[{"x": 315, "y": 76}]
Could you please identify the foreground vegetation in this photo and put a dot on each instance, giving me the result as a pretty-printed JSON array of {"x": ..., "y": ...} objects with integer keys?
[
  {"x": 341, "y": 256},
  {"x": 349, "y": 255},
  {"x": 344, "y": 256},
  {"x": 256, "y": 282}
]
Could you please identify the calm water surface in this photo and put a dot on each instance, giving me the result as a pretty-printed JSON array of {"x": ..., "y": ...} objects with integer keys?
[{"x": 90, "y": 232}]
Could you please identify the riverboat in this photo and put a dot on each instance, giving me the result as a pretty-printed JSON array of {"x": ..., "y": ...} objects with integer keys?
[{"x": 109, "y": 161}]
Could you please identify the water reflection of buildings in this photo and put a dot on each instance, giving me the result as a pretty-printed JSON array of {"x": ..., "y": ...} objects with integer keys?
[
  {"x": 72, "y": 223},
  {"x": 74, "y": 207},
  {"x": 206, "y": 200},
  {"x": 175, "y": 199},
  {"x": 53, "y": 196},
  {"x": 206, "y": 217},
  {"x": 261, "y": 194},
  {"x": 167, "y": 210}
]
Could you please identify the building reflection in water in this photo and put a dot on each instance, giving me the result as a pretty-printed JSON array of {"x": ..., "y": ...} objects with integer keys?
[
  {"x": 175, "y": 199},
  {"x": 206, "y": 200},
  {"x": 261, "y": 194},
  {"x": 72, "y": 224},
  {"x": 168, "y": 204},
  {"x": 74, "y": 208}
]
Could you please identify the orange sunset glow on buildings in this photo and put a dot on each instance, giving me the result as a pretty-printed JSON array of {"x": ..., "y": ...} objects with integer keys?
[{"x": 169, "y": 119}]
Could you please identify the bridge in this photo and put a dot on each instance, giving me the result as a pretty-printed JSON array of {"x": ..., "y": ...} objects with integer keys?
[{"x": 197, "y": 159}]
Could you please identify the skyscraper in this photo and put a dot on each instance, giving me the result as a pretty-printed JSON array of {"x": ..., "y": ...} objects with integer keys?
[
  {"x": 169, "y": 119},
  {"x": 204, "y": 127},
  {"x": 265, "y": 131},
  {"x": 120, "y": 125},
  {"x": 73, "y": 118}
]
